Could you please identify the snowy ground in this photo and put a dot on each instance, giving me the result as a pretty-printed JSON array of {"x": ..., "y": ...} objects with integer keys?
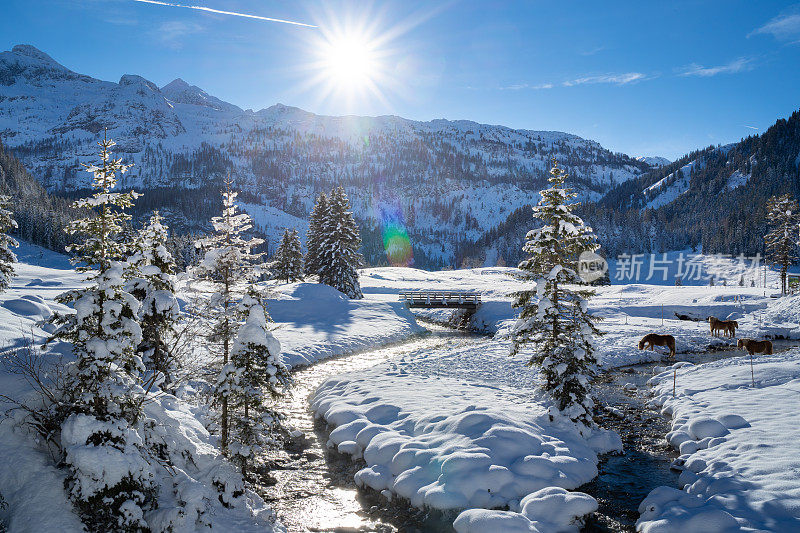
[
  {"x": 739, "y": 446},
  {"x": 29, "y": 481},
  {"x": 461, "y": 428},
  {"x": 628, "y": 311},
  {"x": 473, "y": 433},
  {"x": 465, "y": 427},
  {"x": 315, "y": 322}
]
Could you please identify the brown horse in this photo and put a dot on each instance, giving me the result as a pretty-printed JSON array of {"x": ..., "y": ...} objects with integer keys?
[
  {"x": 654, "y": 339},
  {"x": 754, "y": 346},
  {"x": 728, "y": 327}
]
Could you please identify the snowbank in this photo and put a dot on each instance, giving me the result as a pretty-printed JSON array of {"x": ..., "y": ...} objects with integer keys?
[
  {"x": 314, "y": 321},
  {"x": 544, "y": 511},
  {"x": 462, "y": 429},
  {"x": 739, "y": 446}
]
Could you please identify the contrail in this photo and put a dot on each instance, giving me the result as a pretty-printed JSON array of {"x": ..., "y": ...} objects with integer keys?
[
  {"x": 220, "y": 12},
  {"x": 751, "y": 127}
]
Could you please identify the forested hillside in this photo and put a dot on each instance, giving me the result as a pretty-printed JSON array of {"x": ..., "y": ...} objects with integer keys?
[
  {"x": 443, "y": 183},
  {"x": 714, "y": 198}
]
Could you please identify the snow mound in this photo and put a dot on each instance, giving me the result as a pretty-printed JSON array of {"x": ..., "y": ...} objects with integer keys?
[
  {"x": 664, "y": 511},
  {"x": 453, "y": 444},
  {"x": 739, "y": 439},
  {"x": 700, "y": 428},
  {"x": 313, "y": 292},
  {"x": 39, "y": 282},
  {"x": 544, "y": 511},
  {"x": 29, "y": 306}
]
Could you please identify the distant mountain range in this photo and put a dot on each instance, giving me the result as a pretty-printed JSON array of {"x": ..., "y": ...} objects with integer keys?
[
  {"x": 460, "y": 190},
  {"x": 447, "y": 183}
]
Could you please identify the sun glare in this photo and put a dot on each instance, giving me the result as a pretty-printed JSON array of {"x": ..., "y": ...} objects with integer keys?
[
  {"x": 350, "y": 62},
  {"x": 359, "y": 62}
]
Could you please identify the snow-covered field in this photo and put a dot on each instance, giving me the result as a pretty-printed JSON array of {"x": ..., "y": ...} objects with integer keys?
[
  {"x": 738, "y": 434},
  {"x": 465, "y": 427},
  {"x": 460, "y": 428}
]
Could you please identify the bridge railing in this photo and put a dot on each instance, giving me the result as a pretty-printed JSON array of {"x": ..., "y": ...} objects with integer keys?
[{"x": 441, "y": 298}]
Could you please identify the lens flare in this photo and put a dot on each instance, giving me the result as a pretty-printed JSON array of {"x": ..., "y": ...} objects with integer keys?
[{"x": 396, "y": 243}]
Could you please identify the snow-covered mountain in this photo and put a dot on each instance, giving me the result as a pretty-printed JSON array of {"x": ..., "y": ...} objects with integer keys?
[
  {"x": 447, "y": 182},
  {"x": 654, "y": 161}
]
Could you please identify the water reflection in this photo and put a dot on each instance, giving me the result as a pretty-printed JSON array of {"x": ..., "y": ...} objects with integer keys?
[{"x": 311, "y": 487}]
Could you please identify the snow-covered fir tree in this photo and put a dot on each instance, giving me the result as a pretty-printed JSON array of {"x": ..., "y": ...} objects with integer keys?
[
  {"x": 316, "y": 230},
  {"x": 110, "y": 481},
  {"x": 7, "y": 257},
  {"x": 338, "y": 249},
  {"x": 553, "y": 322},
  {"x": 259, "y": 379},
  {"x": 783, "y": 220},
  {"x": 151, "y": 271},
  {"x": 288, "y": 261},
  {"x": 228, "y": 264}
]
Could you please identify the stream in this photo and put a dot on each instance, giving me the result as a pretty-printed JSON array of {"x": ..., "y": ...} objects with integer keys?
[{"x": 311, "y": 487}]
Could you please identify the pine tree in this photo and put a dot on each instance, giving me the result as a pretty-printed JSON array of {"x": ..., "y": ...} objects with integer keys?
[
  {"x": 151, "y": 269},
  {"x": 7, "y": 257},
  {"x": 316, "y": 231},
  {"x": 783, "y": 219},
  {"x": 338, "y": 253},
  {"x": 288, "y": 260},
  {"x": 260, "y": 378},
  {"x": 554, "y": 320},
  {"x": 110, "y": 482},
  {"x": 228, "y": 264}
]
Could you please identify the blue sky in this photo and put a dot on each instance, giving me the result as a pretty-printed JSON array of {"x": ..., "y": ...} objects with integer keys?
[{"x": 644, "y": 78}]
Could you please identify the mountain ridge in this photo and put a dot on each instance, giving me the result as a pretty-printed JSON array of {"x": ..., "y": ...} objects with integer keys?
[{"x": 447, "y": 182}]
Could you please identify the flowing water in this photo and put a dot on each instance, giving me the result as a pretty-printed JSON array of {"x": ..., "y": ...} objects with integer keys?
[{"x": 311, "y": 487}]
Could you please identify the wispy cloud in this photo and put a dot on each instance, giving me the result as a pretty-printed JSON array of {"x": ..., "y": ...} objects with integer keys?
[
  {"x": 615, "y": 79},
  {"x": 221, "y": 12},
  {"x": 751, "y": 127},
  {"x": 592, "y": 51},
  {"x": 520, "y": 86},
  {"x": 784, "y": 27},
  {"x": 742, "y": 64},
  {"x": 171, "y": 33}
]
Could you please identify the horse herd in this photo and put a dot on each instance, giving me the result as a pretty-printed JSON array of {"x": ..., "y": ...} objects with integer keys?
[{"x": 726, "y": 327}]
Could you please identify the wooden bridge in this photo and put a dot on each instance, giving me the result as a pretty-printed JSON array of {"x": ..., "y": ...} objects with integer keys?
[{"x": 447, "y": 299}]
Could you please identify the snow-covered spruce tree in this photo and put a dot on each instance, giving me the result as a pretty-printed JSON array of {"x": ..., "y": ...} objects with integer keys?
[
  {"x": 110, "y": 481},
  {"x": 228, "y": 264},
  {"x": 7, "y": 257},
  {"x": 783, "y": 219},
  {"x": 338, "y": 250},
  {"x": 288, "y": 261},
  {"x": 554, "y": 321},
  {"x": 151, "y": 272},
  {"x": 316, "y": 231},
  {"x": 260, "y": 379}
]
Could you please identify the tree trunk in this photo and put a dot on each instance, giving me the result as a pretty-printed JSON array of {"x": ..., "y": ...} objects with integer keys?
[{"x": 225, "y": 349}]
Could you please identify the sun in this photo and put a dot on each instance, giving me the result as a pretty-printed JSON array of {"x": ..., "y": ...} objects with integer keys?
[
  {"x": 359, "y": 62},
  {"x": 350, "y": 62}
]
